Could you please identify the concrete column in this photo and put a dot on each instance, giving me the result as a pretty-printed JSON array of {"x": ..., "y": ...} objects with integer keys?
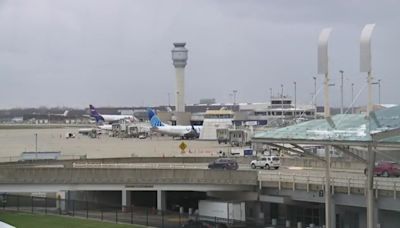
[
  {"x": 371, "y": 211},
  {"x": 126, "y": 199},
  {"x": 329, "y": 204},
  {"x": 161, "y": 200}
]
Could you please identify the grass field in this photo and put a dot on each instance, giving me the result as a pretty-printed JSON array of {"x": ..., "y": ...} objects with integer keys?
[{"x": 22, "y": 220}]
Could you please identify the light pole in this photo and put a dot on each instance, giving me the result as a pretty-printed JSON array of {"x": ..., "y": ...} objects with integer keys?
[
  {"x": 352, "y": 98},
  {"x": 295, "y": 101},
  {"x": 282, "y": 101},
  {"x": 270, "y": 93},
  {"x": 36, "y": 151},
  {"x": 379, "y": 91},
  {"x": 315, "y": 97},
  {"x": 341, "y": 92},
  {"x": 169, "y": 103}
]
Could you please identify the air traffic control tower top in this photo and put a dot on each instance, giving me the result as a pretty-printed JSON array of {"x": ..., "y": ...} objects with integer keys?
[{"x": 179, "y": 55}]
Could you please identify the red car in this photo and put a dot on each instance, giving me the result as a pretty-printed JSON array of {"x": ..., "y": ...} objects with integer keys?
[{"x": 386, "y": 169}]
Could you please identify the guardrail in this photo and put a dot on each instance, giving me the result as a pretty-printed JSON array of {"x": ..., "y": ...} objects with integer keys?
[{"x": 349, "y": 182}]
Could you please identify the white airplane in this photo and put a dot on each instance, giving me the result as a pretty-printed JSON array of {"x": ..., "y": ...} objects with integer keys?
[
  {"x": 109, "y": 118},
  {"x": 185, "y": 132},
  {"x": 64, "y": 114}
]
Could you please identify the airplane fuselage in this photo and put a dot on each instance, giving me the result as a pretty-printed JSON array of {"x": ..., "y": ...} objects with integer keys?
[
  {"x": 116, "y": 118},
  {"x": 176, "y": 131}
]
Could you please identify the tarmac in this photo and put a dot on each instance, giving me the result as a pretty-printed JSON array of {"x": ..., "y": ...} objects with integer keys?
[{"x": 15, "y": 141}]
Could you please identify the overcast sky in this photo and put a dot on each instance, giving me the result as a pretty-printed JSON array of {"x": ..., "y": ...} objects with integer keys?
[{"x": 118, "y": 53}]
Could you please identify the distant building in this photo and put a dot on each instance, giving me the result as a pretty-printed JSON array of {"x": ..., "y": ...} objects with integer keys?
[{"x": 207, "y": 101}]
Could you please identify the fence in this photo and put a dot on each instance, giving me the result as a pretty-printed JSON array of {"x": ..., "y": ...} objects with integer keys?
[{"x": 111, "y": 213}]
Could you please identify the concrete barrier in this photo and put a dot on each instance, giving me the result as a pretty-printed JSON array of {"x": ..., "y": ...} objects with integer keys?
[
  {"x": 125, "y": 176},
  {"x": 300, "y": 162}
]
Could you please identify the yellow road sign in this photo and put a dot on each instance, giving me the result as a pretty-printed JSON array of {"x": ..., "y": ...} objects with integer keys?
[{"x": 183, "y": 146}]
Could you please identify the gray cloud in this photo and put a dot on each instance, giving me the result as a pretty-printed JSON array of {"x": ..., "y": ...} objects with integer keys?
[{"x": 118, "y": 52}]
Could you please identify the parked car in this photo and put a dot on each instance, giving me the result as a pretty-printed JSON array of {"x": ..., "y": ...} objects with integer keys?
[
  {"x": 386, "y": 169},
  {"x": 224, "y": 163},
  {"x": 267, "y": 162}
]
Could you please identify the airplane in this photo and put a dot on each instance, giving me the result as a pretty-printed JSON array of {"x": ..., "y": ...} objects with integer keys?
[
  {"x": 184, "y": 132},
  {"x": 100, "y": 118},
  {"x": 63, "y": 114}
]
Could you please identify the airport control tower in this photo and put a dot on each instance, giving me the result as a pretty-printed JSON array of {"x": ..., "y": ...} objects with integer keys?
[{"x": 179, "y": 58}]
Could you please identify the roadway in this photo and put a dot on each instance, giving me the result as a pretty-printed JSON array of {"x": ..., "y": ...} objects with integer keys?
[{"x": 339, "y": 177}]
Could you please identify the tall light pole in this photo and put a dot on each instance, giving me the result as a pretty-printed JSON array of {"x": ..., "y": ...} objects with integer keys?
[
  {"x": 379, "y": 91},
  {"x": 282, "y": 101},
  {"x": 341, "y": 92},
  {"x": 295, "y": 99},
  {"x": 36, "y": 151},
  {"x": 352, "y": 98},
  {"x": 169, "y": 101},
  {"x": 270, "y": 93},
  {"x": 315, "y": 97}
]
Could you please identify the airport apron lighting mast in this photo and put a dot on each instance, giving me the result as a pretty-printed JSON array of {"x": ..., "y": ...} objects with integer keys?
[{"x": 179, "y": 58}]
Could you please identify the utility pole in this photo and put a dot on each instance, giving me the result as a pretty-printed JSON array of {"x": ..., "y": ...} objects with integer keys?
[
  {"x": 341, "y": 92},
  {"x": 295, "y": 100}
]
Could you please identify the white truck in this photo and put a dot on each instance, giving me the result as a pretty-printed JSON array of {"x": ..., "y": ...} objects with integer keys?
[
  {"x": 230, "y": 212},
  {"x": 266, "y": 162}
]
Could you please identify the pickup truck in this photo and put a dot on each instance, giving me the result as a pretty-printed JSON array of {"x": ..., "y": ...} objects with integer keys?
[{"x": 267, "y": 162}]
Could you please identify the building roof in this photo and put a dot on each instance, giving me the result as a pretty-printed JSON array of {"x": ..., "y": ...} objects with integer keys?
[{"x": 350, "y": 129}]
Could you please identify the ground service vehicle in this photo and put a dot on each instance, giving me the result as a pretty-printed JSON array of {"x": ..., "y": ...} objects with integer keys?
[
  {"x": 224, "y": 163},
  {"x": 267, "y": 162},
  {"x": 221, "y": 211}
]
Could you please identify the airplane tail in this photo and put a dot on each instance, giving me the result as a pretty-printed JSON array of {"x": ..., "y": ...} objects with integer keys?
[
  {"x": 95, "y": 114},
  {"x": 65, "y": 113},
  {"x": 153, "y": 118}
]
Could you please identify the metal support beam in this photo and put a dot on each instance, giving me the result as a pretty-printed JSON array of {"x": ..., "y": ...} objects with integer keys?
[
  {"x": 302, "y": 152},
  {"x": 348, "y": 152},
  {"x": 306, "y": 152},
  {"x": 376, "y": 137}
]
